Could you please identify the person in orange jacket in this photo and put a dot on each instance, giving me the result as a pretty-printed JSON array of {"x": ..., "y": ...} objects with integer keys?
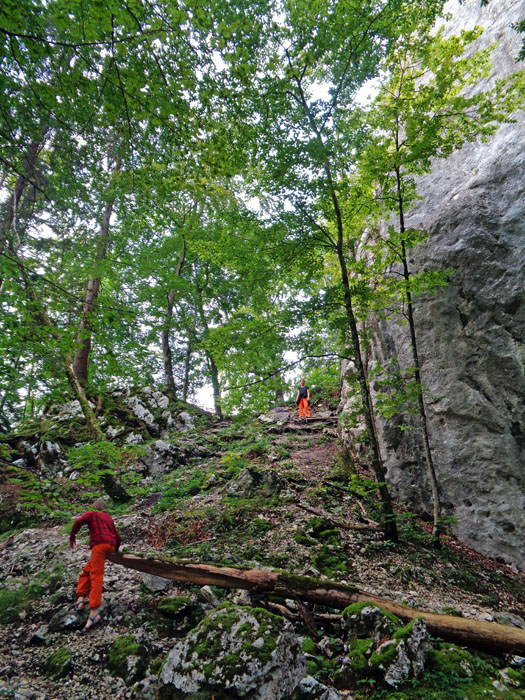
[
  {"x": 103, "y": 541},
  {"x": 302, "y": 399}
]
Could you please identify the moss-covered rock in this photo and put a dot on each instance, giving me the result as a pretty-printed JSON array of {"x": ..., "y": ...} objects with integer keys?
[
  {"x": 59, "y": 664},
  {"x": 174, "y": 607},
  {"x": 308, "y": 646},
  {"x": 355, "y": 663},
  {"x": 128, "y": 659},
  {"x": 367, "y": 620},
  {"x": 234, "y": 652},
  {"x": 404, "y": 656}
]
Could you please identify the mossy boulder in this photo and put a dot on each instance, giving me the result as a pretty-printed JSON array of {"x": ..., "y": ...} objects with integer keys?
[
  {"x": 379, "y": 648},
  {"x": 367, "y": 620},
  {"x": 59, "y": 664},
  {"x": 178, "y": 615},
  {"x": 234, "y": 652},
  {"x": 355, "y": 663},
  {"x": 128, "y": 659}
]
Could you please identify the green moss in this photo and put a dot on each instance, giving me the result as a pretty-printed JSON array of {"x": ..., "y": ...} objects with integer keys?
[
  {"x": 516, "y": 677},
  {"x": 356, "y": 608},
  {"x": 13, "y": 602},
  {"x": 405, "y": 632},
  {"x": 59, "y": 664},
  {"x": 293, "y": 582},
  {"x": 448, "y": 610},
  {"x": 383, "y": 656},
  {"x": 309, "y": 646},
  {"x": 323, "y": 530},
  {"x": 208, "y": 636},
  {"x": 454, "y": 674},
  {"x": 128, "y": 659},
  {"x": 358, "y": 653},
  {"x": 312, "y": 667},
  {"x": 172, "y": 607},
  {"x": 452, "y": 660},
  {"x": 302, "y": 538},
  {"x": 330, "y": 563},
  {"x": 259, "y": 526}
]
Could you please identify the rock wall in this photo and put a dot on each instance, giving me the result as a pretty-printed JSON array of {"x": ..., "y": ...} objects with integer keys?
[{"x": 471, "y": 334}]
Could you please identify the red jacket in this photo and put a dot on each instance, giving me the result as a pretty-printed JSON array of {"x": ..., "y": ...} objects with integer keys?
[{"x": 101, "y": 527}]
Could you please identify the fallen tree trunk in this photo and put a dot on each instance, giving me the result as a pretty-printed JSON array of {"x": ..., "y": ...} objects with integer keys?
[{"x": 475, "y": 633}]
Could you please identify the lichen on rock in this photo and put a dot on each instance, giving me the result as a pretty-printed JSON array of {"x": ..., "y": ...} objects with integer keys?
[{"x": 235, "y": 652}]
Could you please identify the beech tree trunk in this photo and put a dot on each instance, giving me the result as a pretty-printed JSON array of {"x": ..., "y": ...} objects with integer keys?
[
  {"x": 214, "y": 371},
  {"x": 431, "y": 470},
  {"x": 83, "y": 346},
  {"x": 166, "y": 348},
  {"x": 389, "y": 519},
  {"x": 187, "y": 358},
  {"x": 27, "y": 173},
  {"x": 476, "y": 633}
]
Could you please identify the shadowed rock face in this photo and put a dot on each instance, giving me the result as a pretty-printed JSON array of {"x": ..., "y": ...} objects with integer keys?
[{"x": 471, "y": 334}]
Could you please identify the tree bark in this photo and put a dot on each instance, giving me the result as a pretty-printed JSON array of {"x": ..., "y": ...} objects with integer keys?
[
  {"x": 166, "y": 348},
  {"x": 431, "y": 470},
  {"x": 389, "y": 524},
  {"x": 109, "y": 483},
  {"x": 214, "y": 371},
  {"x": 27, "y": 172},
  {"x": 187, "y": 358},
  {"x": 83, "y": 345},
  {"x": 476, "y": 633}
]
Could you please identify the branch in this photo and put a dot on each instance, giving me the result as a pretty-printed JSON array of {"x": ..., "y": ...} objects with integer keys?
[
  {"x": 284, "y": 368},
  {"x": 66, "y": 44}
]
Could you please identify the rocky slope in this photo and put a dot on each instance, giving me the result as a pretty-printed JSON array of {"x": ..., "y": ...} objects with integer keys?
[
  {"x": 271, "y": 492},
  {"x": 471, "y": 334}
]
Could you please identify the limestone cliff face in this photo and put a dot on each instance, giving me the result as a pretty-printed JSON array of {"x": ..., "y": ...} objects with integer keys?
[{"x": 471, "y": 334}]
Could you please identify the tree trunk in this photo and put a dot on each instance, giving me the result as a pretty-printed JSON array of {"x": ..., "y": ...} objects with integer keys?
[
  {"x": 389, "y": 525},
  {"x": 431, "y": 471},
  {"x": 483, "y": 635},
  {"x": 27, "y": 172},
  {"x": 166, "y": 348},
  {"x": 109, "y": 483},
  {"x": 214, "y": 371},
  {"x": 83, "y": 344},
  {"x": 187, "y": 358},
  {"x": 216, "y": 386}
]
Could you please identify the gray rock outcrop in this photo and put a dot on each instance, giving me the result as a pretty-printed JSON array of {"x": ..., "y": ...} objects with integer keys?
[
  {"x": 378, "y": 647},
  {"x": 471, "y": 334},
  {"x": 235, "y": 652},
  {"x": 251, "y": 482},
  {"x": 310, "y": 689}
]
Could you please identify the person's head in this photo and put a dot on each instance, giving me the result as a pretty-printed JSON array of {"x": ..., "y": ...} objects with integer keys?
[
  {"x": 302, "y": 382},
  {"x": 99, "y": 504}
]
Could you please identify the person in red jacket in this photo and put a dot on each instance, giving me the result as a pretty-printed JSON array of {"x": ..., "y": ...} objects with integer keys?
[{"x": 103, "y": 541}]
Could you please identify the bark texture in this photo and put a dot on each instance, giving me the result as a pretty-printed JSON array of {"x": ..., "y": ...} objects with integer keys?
[{"x": 483, "y": 635}]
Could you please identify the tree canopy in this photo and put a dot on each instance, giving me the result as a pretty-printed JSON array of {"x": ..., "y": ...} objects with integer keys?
[{"x": 186, "y": 186}]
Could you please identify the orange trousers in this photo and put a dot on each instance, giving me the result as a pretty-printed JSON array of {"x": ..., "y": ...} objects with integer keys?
[
  {"x": 92, "y": 576},
  {"x": 303, "y": 406}
]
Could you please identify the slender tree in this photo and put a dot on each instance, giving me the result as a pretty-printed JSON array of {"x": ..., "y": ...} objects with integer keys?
[{"x": 423, "y": 111}]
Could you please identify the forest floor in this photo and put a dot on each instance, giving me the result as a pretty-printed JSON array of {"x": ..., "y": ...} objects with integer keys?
[{"x": 308, "y": 515}]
